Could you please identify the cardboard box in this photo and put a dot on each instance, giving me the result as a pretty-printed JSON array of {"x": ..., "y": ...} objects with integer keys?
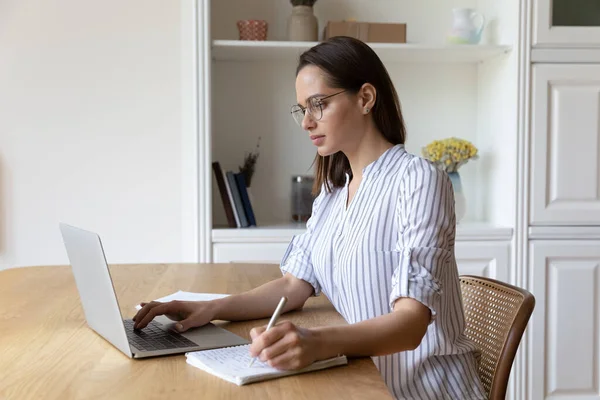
[{"x": 367, "y": 31}]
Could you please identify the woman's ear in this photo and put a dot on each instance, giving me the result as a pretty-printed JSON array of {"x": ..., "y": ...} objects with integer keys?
[{"x": 367, "y": 96}]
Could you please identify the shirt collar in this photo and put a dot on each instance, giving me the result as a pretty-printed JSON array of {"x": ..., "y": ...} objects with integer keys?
[{"x": 382, "y": 161}]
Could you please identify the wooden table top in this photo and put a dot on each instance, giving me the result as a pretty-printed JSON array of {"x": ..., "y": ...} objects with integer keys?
[{"x": 47, "y": 351}]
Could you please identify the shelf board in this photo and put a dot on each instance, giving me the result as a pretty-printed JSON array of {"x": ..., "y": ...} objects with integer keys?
[
  {"x": 466, "y": 231},
  {"x": 238, "y": 50}
]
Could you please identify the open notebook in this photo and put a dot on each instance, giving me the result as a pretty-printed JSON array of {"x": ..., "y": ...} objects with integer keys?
[{"x": 231, "y": 364}]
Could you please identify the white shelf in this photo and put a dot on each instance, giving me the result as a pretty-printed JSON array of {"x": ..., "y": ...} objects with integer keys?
[
  {"x": 237, "y": 50},
  {"x": 468, "y": 231}
]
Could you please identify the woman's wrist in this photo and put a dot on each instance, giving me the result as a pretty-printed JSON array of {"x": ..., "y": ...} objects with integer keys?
[
  {"x": 328, "y": 342},
  {"x": 216, "y": 307}
]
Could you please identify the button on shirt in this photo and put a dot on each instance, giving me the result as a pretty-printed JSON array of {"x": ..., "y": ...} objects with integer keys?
[{"x": 395, "y": 239}]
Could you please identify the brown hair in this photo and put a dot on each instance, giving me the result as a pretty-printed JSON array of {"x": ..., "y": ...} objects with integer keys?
[{"x": 348, "y": 64}]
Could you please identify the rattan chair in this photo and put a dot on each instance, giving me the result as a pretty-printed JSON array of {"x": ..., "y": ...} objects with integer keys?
[{"x": 496, "y": 315}]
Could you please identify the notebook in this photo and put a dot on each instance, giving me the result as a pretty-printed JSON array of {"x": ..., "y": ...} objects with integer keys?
[{"x": 231, "y": 364}]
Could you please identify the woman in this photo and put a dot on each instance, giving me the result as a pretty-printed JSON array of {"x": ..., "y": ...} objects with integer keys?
[{"x": 379, "y": 243}]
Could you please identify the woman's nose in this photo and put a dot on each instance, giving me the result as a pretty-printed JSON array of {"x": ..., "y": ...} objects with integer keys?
[{"x": 308, "y": 122}]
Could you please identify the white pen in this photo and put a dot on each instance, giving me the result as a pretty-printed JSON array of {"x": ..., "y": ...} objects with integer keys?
[{"x": 273, "y": 320}]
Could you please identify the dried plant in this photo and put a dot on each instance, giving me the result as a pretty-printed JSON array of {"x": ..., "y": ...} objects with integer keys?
[
  {"x": 249, "y": 164},
  {"x": 309, "y": 3}
]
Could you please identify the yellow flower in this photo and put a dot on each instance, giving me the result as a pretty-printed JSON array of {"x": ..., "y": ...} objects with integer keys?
[{"x": 450, "y": 153}]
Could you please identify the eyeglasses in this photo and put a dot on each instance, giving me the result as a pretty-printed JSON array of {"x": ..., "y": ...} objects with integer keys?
[{"x": 314, "y": 107}]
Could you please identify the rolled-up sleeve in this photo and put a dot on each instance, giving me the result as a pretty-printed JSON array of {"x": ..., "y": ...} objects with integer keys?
[
  {"x": 425, "y": 210},
  {"x": 297, "y": 258}
]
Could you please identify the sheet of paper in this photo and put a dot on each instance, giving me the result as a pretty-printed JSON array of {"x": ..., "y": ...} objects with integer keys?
[
  {"x": 234, "y": 361},
  {"x": 189, "y": 296}
]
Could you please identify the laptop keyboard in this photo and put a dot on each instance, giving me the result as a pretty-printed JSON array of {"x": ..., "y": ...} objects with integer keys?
[{"x": 152, "y": 337}]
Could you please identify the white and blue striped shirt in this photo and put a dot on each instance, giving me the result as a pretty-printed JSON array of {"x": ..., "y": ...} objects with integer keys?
[{"x": 395, "y": 239}]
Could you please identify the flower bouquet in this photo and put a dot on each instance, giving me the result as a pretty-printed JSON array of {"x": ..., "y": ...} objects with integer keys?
[{"x": 451, "y": 153}]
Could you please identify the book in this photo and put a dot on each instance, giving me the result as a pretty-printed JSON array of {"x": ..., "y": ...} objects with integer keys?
[
  {"x": 241, "y": 184},
  {"x": 225, "y": 196},
  {"x": 231, "y": 364},
  {"x": 237, "y": 200}
]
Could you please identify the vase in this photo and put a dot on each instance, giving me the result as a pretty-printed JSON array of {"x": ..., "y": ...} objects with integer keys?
[
  {"x": 464, "y": 30},
  {"x": 303, "y": 25},
  {"x": 460, "y": 201}
]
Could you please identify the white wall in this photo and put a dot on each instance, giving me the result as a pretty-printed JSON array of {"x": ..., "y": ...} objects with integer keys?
[{"x": 95, "y": 125}]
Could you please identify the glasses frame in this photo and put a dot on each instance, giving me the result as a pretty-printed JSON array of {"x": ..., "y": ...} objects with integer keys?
[{"x": 305, "y": 109}]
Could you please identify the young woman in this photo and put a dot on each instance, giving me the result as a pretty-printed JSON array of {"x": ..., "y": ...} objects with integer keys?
[{"x": 379, "y": 243}]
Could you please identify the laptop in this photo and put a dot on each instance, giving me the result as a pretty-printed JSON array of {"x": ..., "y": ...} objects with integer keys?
[{"x": 103, "y": 315}]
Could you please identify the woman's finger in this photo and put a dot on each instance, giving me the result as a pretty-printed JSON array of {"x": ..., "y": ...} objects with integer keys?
[
  {"x": 255, "y": 332},
  {"x": 160, "y": 309},
  {"x": 143, "y": 311},
  {"x": 276, "y": 349},
  {"x": 287, "y": 360},
  {"x": 266, "y": 339}
]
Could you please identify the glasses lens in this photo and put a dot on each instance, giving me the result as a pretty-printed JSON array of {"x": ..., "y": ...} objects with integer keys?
[
  {"x": 298, "y": 114},
  {"x": 315, "y": 109}
]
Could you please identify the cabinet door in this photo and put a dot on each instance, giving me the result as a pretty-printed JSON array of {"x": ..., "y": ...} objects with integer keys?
[
  {"x": 487, "y": 259},
  {"x": 564, "y": 329},
  {"x": 565, "y": 134},
  {"x": 263, "y": 253},
  {"x": 566, "y": 23}
]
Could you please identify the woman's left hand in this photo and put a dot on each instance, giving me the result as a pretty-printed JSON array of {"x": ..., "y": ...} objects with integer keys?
[{"x": 284, "y": 346}]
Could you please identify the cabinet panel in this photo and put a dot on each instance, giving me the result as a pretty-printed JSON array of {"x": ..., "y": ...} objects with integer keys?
[
  {"x": 564, "y": 327},
  {"x": 565, "y": 133},
  {"x": 566, "y": 23},
  {"x": 487, "y": 259},
  {"x": 264, "y": 253}
]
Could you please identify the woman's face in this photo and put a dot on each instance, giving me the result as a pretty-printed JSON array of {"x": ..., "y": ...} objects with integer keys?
[{"x": 342, "y": 121}]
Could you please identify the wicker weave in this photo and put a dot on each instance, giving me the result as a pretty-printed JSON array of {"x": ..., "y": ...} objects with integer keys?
[{"x": 496, "y": 315}]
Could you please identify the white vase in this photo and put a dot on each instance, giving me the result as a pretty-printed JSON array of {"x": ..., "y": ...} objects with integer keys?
[
  {"x": 460, "y": 201},
  {"x": 303, "y": 25},
  {"x": 464, "y": 29}
]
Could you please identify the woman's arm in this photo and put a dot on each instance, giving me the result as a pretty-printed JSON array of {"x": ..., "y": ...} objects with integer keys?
[
  {"x": 256, "y": 303},
  {"x": 261, "y": 301},
  {"x": 402, "y": 329},
  {"x": 286, "y": 346}
]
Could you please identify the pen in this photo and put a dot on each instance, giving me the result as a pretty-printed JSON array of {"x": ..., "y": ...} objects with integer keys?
[{"x": 273, "y": 320}]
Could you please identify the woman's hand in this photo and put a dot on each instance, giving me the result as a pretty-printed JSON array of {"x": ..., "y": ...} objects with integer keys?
[
  {"x": 190, "y": 314},
  {"x": 285, "y": 346}
]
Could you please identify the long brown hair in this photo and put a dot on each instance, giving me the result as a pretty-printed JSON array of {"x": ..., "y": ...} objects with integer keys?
[{"x": 348, "y": 64}]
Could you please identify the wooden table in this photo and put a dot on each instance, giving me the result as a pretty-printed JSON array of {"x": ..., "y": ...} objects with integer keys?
[{"x": 48, "y": 352}]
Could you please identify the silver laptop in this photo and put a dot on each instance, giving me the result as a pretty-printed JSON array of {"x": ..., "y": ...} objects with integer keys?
[{"x": 103, "y": 315}]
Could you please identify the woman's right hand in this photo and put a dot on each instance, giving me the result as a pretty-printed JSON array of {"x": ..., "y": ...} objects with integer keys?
[{"x": 190, "y": 314}]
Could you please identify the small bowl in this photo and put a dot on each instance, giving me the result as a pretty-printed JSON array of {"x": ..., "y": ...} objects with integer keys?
[{"x": 252, "y": 29}]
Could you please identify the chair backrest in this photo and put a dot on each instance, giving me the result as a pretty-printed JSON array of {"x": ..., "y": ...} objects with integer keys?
[{"x": 496, "y": 315}]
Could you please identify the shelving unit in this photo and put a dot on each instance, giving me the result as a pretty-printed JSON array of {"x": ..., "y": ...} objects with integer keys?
[
  {"x": 236, "y": 50},
  {"x": 468, "y": 91}
]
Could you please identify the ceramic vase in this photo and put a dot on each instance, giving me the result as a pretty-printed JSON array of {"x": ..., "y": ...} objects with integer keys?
[
  {"x": 464, "y": 28},
  {"x": 303, "y": 25},
  {"x": 460, "y": 201}
]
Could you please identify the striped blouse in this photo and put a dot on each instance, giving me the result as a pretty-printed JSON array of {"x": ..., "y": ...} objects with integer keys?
[{"x": 396, "y": 239}]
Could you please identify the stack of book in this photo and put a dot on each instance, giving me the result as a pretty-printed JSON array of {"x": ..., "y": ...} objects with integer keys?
[{"x": 234, "y": 195}]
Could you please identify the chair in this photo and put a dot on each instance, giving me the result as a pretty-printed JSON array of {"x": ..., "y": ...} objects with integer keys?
[{"x": 496, "y": 315}]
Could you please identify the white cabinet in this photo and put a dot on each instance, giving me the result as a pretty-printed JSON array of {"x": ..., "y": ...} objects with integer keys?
[
  {"x": 566, "y": 23},
  {"x": 262, "y": 253},
  {"x": 564, "y": 330},
  {"x": 565, "y": 142},
  {"x": 489, "y": 259}
]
